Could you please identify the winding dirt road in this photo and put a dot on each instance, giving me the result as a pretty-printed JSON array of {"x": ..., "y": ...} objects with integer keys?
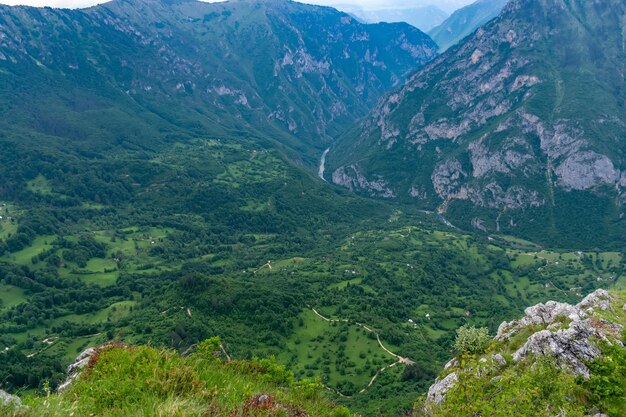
[{"x": 399, "y": 359}]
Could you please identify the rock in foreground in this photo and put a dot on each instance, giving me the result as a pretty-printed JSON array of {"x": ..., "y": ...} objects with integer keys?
[{"x": 558, "y": 360}]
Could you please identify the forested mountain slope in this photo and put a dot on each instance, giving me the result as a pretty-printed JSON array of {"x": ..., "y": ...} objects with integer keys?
[
  {"x": 276, "y": 68},
  {"x": 520, "y": 128}
]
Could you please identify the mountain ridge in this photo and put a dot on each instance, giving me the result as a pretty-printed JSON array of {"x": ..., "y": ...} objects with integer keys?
[
  {"x": 310, "y": 70},
  {"x": 424, "y": 17},
  {"x": 524, "y": 116},
  {"x": 465, "y": 21}
]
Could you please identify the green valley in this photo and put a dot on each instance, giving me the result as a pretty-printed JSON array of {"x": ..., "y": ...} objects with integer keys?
[
  {"x": 174, "y": 266},
  {"x": 160, "y": 203}
]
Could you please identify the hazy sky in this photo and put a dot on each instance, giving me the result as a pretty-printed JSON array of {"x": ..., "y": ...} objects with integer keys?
[{"x": 447, "y": 5}]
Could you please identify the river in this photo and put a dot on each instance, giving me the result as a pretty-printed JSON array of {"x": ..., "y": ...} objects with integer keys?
[{"x": 322, "y": 168}]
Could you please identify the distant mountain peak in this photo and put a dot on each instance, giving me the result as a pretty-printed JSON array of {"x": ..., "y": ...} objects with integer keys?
[{"x": 465, "y": 21}]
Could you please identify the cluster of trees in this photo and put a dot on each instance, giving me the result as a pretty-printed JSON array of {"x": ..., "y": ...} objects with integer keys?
[
  {"x": 36, "y": 223},
  {"x": 20, "y": 371}
]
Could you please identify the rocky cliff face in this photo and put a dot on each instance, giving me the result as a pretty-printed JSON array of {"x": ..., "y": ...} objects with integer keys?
[
  {"x": 527, "y": 109},
  {"x": 274, "y": 68},
  {"x": 571, "y": 337}
]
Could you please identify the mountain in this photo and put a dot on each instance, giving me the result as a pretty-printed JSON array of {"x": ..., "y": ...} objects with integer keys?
[
  {"x": 423, "y": 17},
  {"x": 465, "y": 21},
  {"x": 559, "y": 357},
  {"x": 520, "y": 128},
  {"x": 274, "y": 68},
  {"x": 136, "y": 211}
]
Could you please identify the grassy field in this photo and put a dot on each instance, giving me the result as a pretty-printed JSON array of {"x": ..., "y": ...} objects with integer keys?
[
  {"x": 133, "y": 246},
  {"x": 40, "y": 185},
  {"x": 344, "y": 355},
  {"x": 8, "y": 224},
  {"x": 25, "y": 256},
  {"x": 11, "y": 296}
]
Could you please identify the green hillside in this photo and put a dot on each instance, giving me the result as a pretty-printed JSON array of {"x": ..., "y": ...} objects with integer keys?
[{"x": 158, "y": 189}]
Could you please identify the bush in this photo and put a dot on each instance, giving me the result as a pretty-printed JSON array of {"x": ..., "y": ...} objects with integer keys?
[
  {"x": 472, "y": 340},
  {"x": 209, "y": 348},
  {"x": 608, "y": 391}
]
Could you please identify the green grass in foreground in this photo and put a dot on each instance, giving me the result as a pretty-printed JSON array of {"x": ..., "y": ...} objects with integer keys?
[{"x": 143, "y": 381}]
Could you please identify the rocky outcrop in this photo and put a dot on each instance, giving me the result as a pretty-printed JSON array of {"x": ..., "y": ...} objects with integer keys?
[
  {"x": 437, "y": 392},
  {"x": 7, "y": 399},
  {"x": 569, "y": 334},
  {"x": 74, "y": 369},
  {"x": 352, "y": 178},
  {"x": 571, "y": 347},
  {"x": 600, "y": 299},
  {"x": 540, "y": 314}
]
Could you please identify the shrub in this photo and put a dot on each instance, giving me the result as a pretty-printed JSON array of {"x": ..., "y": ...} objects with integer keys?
[
  {"x": 208, "y": 348},
  {"x": 472, "y": 340},
  {"x": 341, "y": 412},
  {"x": 606, "y": 384}
]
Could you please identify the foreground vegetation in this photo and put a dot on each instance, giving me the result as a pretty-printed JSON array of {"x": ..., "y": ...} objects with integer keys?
[
  {"x": 538, "y": 385},
  {"x": 144, "y": 381}
]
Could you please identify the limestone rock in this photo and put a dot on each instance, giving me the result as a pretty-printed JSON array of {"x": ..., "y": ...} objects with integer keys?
[
  {"x": 452, "y": 362},
  {"x": 499, "y": 359},
  {"x": 8, "y": 399},
  {"x": 437, "y": 392},
  {"x": 570, "y": 347},
  {"x": 569, "y": 334},
  {"x": 74, "y": 369},
  {"x": 600, "y": 299},
  {"x": 352, "y": 178},
  {"x": 546, "y": 314},
  {"x": 549, "y": 313}
]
